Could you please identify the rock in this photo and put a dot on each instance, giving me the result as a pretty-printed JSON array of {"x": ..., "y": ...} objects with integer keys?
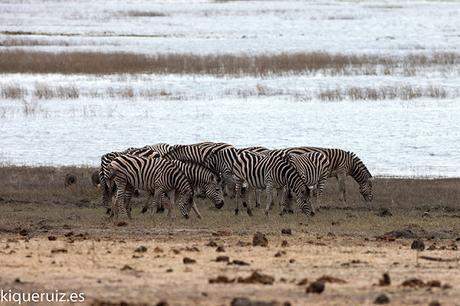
[
  {"x": 23, "y": 232},
  {"x": 54, "y": 251},
  {"x": 330, "y": 279},
  {"x": 382, "y": 299},
  {"x": 192, "y": 249},
  {"x": 239, "y": 263},
  {"x": 69, "y": 179},
  {"x": 413, "y": 283},
  {"x": 302, "y": 282},
  {"x": 221, "y": 280},
  {"x": 127, "y": 268},
  {"x": 385, "y": 280},
  {"x": 162, "y": 303},
  {"x": 284, "y": 244},
  {"x": 52, "y": 238},
  {"x": 68, "y": 234},
  {"x": 286, "y": 231},
  {"x": 222, "y": 259},
  {"x": 141, "y": 249},
  {"x": 257, "y": 278},
  {"x": 418, "y": 245},
  {"x": 157, "y": 250},
  {"x": 259, "y": 239},
  {"x": 188, "y": 260},
  {"x": 169, "y": 270},
  {"x": 243, "y": 243},
  {"x": 280, "y": 253},
  {"x": 220, "y": 249},
  {"x": 211, "y": 243},
  {"x": 434, "y": 283},
  {"x": 315, "y": 287},
  {"x": 122, "y": 223},
  {"x": 385, "y": 212},
  {"x": 242, "y": 301},
  {"x": 426, "y": 214},
  {"x": 434, "y": 303}
]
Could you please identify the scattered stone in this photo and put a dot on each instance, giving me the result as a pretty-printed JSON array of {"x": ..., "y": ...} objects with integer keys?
[
  {"x": 52, "y": 238},
  {"x": 446, "y": 286},
  {"x": 257, "y": 278},
  {"x": 175, "y": 251},
  {"x": 385, "y": 212},
  {"x": 211, "y": 243},
  {"x": 382, "y": 299},
  {"x": 409, "y": 232},
  {"x": 238, "y": 262},
  {"x": 330, "y": 279},
  {"x": 259, "y": 239},
  {"x": 122, "y": 223},
  {"x": 434, "y": 303},
  {"x": 284, "y": 244},
  {"x": 127, "y": 268},
  {"x": 243, "y": 243},
  {"x": 169, "y": 270},
  {"x": 286, "y": 231},
  {"x": 222, "y": 233},
  {"x": 69, "y": 179},
  {"x": 432, "y": 247},
  {"x": 385, "y": 280},
  {"x": 54, "y": 251},
  {"x": 426, "y": 214},
  {"x": 292, "y": 260},
  {"x": 418, "y": 245},
  {"x": 220, "y": 249},
  {"x": 68, "y": 234},
  {"x": 222, "y": 259},
  {"x": 302, "y": 282},
  {"x": 157, "y": 250},
  {"x": 433, "y": 283},
  {"x": 315, "y": 287},
  {"x": 162, "y": 303},
  {"x": 280, "y": 253},
  {"x": 188, "y": 260},
  {"x": 192, "y": 249},
  {"x": 141, "y": 249},
  {"x": 413, "y": 282},
  {"x": 23, "y": 232},
  {"x": 18, "y": 281},
  {"x": 221, "y": 280}
]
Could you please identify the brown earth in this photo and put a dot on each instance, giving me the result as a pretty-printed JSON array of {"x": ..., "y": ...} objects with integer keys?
[{"x": 57, "y": 238}]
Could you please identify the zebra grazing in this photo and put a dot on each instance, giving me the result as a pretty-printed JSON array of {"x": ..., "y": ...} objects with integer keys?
[
  {"x": 107, "y": 192},
  {"x": 155, "y": 175},
  {"x": 343, "y": 163},
  {"x": 201, "y": 178},
  {"x": 313, "y": 167},
  {"x": 268, "y": 172}
]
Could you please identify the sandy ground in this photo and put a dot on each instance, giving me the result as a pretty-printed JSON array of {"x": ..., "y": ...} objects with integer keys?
[{"x": 351, "y": 242}]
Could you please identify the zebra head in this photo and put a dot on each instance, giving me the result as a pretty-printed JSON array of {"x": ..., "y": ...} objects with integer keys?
[
  {"x": 185, "y": 202},
  {"x": 214, "y": 192},
  {"x": 303, "y": 200},
  {"x": 366, "y": 190}
]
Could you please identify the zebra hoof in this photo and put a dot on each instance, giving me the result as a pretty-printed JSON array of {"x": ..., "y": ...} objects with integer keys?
[
  {"x": 108, "y": 211},
  {"x": 291, "y": 211},
  {"x": 245, "y": 204},
  {"x": 186, "y": 216},
  {"x": 236, "y": 212},
  {"x": 144, "y": 210},
  {"x": 312, "y": 214},
  {"x": 249, "y": 212},
  {"x": 257, "y": 204},
  {"x": 160, "y": 209},
  {"x": 266, "y": 213}
]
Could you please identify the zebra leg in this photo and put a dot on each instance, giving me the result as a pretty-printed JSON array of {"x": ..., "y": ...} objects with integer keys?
[
  {"x": 238, "y": 187},
  {"x": 128, "y": 196},
  {"x": 342, "y": 193},
  {"x": 120, "y": 201},
  {"x": 257, "y": 197},
  {"x": 245, "y": 199},
  {"x": 195, "y": 209},
  {"x": 172, "y": 195},
  {"x": 269, "y": 190}
]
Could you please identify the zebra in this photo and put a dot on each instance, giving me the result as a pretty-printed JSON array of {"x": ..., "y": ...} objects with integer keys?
[
  {"x": 156, "y": 175},
  {"x": 107, "y": 192},
  {"x": 255, "y": 149},
  {"x": 268, "y": 172},
  {"x": 343, "y": 163},
  {"x": 314, "y": 170},
  {"x": 201, "y": 178}
]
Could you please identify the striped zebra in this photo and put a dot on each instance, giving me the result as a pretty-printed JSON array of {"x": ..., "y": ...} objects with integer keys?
[
  {"x": 155, "y": 175},
  {"x": 313, "y": 167},
  {"x": 107, "y": 193},
  {"x": 343, "y": 163},
  {"x": 268, "y": 172},
  {"x": 255, "y": 149},
  {"x": 201, "y": 178}
]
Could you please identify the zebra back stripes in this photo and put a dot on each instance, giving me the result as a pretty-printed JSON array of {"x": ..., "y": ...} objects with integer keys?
[{"x": 151, "y": 174}]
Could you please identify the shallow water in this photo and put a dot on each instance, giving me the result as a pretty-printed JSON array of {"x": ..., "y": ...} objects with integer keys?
[{"x": 397, "y": 138}]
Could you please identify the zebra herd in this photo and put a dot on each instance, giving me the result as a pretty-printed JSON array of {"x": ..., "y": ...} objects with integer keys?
[{"x": 174, "y": 174}]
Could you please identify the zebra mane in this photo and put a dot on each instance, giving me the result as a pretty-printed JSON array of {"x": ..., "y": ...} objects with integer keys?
[{"x": 358, "y": 166}]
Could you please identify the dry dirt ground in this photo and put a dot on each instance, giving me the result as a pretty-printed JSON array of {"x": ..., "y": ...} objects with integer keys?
[{"x": 56, "y": 238}]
